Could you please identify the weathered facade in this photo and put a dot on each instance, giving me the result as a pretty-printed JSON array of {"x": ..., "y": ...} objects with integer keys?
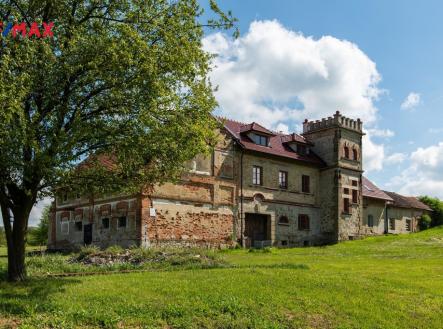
[{"x": 257, "y": 188}]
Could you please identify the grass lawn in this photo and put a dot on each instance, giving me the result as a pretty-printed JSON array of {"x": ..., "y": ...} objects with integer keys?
[{"x": 382, "y": 282}]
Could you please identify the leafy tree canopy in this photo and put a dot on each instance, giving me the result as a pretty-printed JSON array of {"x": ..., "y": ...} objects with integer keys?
[{"x": 124, "y": 78}]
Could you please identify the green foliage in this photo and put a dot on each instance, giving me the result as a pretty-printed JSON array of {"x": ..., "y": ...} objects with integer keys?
[
  {"x": 437, "y": 209},
  {"x": 39, "y": 235},
  {"x": 123, "y": 80},
  {"x": 2, "y": 237},
  {"x": 424, "y": 222}
]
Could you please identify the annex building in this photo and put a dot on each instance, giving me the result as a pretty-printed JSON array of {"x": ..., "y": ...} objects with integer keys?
[{"x": 257, "y": 188}]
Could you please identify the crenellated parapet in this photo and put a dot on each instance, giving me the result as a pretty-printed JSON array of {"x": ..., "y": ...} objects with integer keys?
[{"x": 337, "y": 120}]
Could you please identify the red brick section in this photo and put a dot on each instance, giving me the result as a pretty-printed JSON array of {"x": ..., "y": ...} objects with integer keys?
[
  {"x": 143, "y": 214},
  {"x": 122, "y": 206},
  {"x": 105, "y": 210},
  {"x": 196, "y": 228}
]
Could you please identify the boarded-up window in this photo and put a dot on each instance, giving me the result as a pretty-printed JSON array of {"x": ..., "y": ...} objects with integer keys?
[
  {"x": 392, "y": 224},
  {"x": 64, "y": 227},
  {"x": 226, "y": 163},
  {"x": 408, "y": 225},
  {"x": 303, "y": 222},
  {"x": 305, "y": 184},
  {"x": 201, "y": 164}
]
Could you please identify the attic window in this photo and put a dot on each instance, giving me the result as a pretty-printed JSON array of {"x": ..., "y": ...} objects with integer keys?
[
  {"x": 301, "y": 149},
  {"x": 260, "y": 140}
]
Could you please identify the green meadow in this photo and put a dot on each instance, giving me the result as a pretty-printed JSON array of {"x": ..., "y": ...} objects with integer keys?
[{"x": 379, "y": 282}]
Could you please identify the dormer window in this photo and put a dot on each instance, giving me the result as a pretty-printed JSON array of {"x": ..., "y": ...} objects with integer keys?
[
  {"x": 301, "y": 149},
  {"x": 260, "y": 140}
]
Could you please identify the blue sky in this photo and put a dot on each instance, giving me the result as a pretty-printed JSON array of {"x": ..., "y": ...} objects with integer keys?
[{"x": 403, "y": 39}]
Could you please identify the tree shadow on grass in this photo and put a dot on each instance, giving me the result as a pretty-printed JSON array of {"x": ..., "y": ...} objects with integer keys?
[{"x": 32, "y": 296}]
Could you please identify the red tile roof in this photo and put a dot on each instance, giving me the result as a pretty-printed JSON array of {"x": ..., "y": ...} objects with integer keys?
[
  {"x": 256, "y": 127},
  {"x": 402, "y": 201},
  {"x": 277, "y": 143},
  {"x": 295, "y": 138},
  {"x": 108, "y": 161},
  {"x": 370, "y": 190}
]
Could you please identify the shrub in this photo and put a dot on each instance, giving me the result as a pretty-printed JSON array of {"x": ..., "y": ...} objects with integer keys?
[
  {"x": 88, "y": 251},
  {"x": 114, "y": 250},
  {"x": 437, "y": 209},
  {"x": 424, "y": 222}
]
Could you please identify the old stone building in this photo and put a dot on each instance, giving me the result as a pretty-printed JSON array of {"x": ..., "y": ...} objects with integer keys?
[{"x": 257, "y": 188}]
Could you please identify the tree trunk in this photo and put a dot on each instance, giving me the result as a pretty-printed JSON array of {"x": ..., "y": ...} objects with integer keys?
[
  {"x": 16, "y": 238},
  {"x": 16, "y": 258}
]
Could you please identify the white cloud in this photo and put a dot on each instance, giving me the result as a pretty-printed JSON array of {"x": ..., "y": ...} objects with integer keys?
[
  {"x": 395, "y": 158},
  {"x": 385, "y": 133},
  {"x": 424, "y": 174},
  {"x": 411, "y": 101},
  {"x": 281, "y": 127},
  {"x": 373, "y": 154},
  {"x": 36, "y": 212},
  {"x": 273, "y": 75}
]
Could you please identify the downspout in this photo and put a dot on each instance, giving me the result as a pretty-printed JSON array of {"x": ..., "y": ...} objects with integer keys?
[
  {"x": 386, "y": 218},
  {"x": 241, "y": 201}
]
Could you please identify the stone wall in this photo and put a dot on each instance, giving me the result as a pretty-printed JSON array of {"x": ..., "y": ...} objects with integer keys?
[
  {"x": 69, "y": 220},
  {"x": 400, "y": 216},
  {"x": 350, "y": 225},
  {"x": 376, "y": 208}
]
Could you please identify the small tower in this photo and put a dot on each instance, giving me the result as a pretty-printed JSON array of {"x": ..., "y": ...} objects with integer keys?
[{"x": 338, "y": 141}]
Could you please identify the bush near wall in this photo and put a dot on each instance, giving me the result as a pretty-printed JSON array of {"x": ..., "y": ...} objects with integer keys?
[{"x": 437, "y": 209}]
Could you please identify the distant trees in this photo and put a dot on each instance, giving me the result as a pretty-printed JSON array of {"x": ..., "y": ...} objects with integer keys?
[
  {"x": 39, "y": 235},
  {"x": 437, "y": 209}
]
